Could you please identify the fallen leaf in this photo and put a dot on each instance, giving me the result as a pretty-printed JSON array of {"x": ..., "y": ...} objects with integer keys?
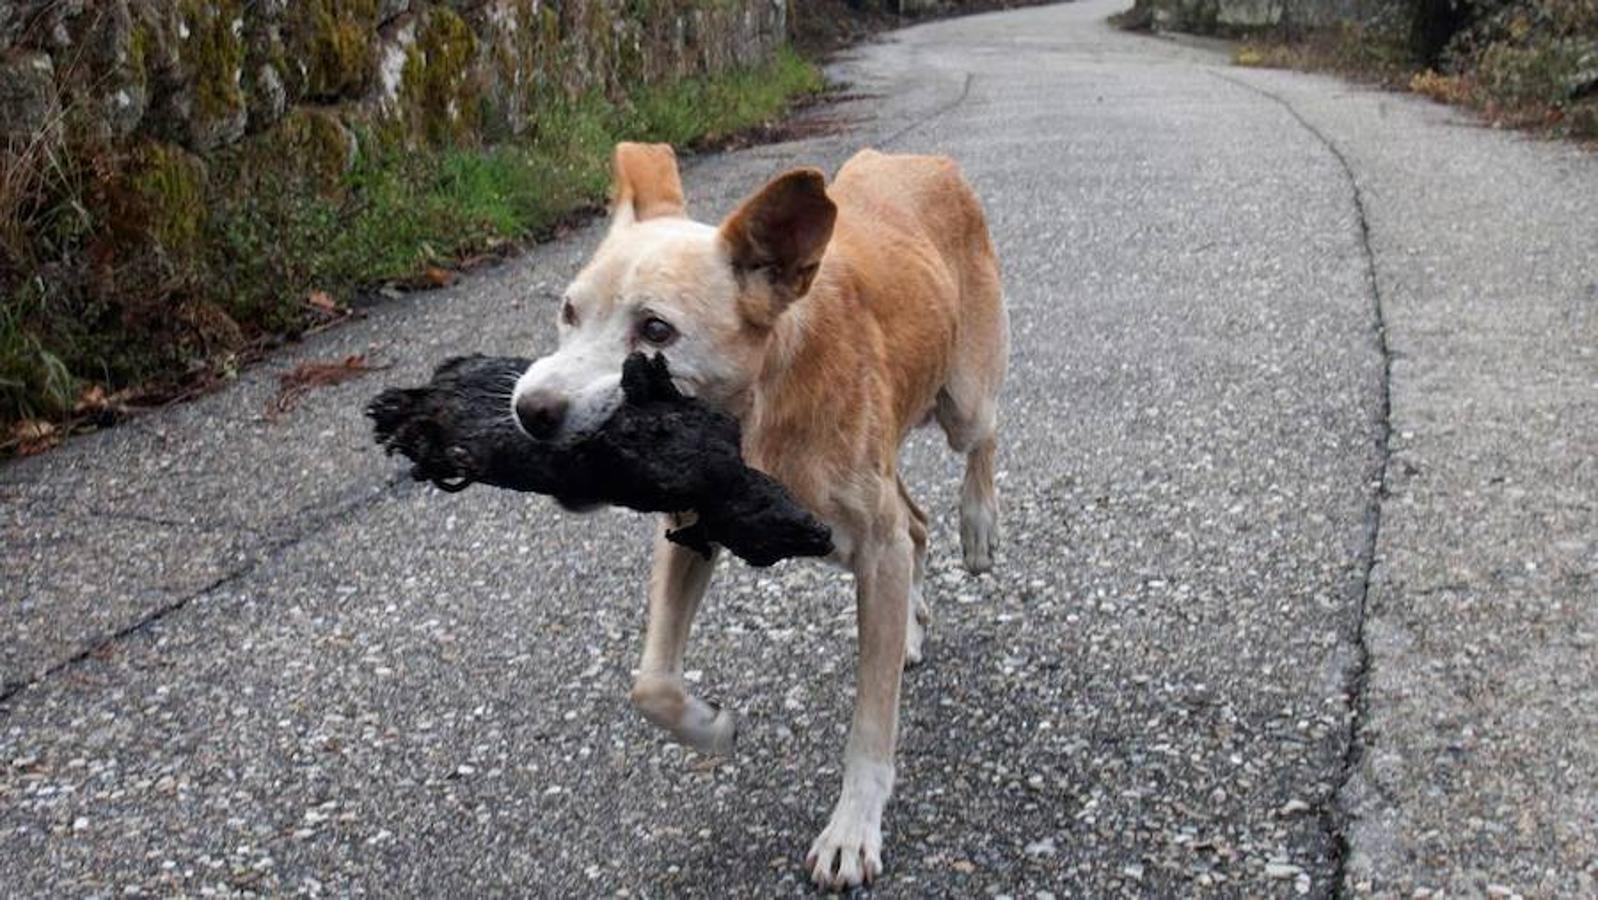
[
  {"x": 31, "y": 436},
  {"x": 439, "y": 277},
  {"x": 93, "y": 398},
  {"x": 300, "y": 380},
  {"x": 323, "y": 301}
]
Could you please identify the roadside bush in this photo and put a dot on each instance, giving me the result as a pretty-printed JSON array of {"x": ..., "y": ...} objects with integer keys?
[
  {"x": 1520, "y": 62},
  {"x": 1540, "y": 53}
]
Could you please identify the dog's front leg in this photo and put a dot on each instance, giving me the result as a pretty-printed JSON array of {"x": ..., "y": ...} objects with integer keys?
[
  {"x": 849, "y": 851},
  {"x": 676, "y": 585}
]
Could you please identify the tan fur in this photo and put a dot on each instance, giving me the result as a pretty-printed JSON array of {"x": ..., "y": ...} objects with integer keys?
[
  {"x": 831, "y": 320},
  {"x": 646, "y": 180}
]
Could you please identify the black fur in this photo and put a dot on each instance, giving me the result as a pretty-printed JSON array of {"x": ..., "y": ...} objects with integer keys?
[{"x": 659, "y": 452}]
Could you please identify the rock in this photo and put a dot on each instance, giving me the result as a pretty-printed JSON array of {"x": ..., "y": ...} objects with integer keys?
[
  {"x": 267, "y": 97},
  {"x": 389, "y": 10},
  {"x": 199, "y": 60},
  {"x": 28, "y": 101},
  {"x": 38, "y": 24}
]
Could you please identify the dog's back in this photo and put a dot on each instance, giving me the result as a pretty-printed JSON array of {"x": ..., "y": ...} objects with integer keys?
[{"x": 913, "y": 231}]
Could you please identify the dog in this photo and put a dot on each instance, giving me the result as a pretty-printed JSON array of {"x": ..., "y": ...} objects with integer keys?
[{"x": 830, "y": 320}]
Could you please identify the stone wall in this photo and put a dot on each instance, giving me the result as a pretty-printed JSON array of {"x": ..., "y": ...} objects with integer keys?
[
  {"x": 1233, "y": 16},
  {"x": 204, "y": 74}
]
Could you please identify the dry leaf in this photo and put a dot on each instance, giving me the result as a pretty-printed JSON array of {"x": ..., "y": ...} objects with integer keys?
[
  {"x": 439, "y": 277},
  {"x": 31, "y": 436},
  {"x": 300, "y": 380},
  {"x": 92, "y": 399},
  {"x": 323, "y": 301}
]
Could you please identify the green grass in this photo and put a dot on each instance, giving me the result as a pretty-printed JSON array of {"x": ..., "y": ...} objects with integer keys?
[
  {"x": 34, "y": 383},
  {"x": 270, "y": 237}
]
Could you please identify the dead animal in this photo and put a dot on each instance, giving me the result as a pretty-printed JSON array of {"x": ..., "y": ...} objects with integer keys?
[{"x": 659, "y": 452}]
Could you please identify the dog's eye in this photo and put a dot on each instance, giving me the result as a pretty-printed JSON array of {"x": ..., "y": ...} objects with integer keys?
[
  {"x": 568, "y": 313},
  {"x": 656, "y": 330}
]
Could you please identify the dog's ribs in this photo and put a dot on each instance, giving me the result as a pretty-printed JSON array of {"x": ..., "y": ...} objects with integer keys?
[{"x": 659, "y": 452}]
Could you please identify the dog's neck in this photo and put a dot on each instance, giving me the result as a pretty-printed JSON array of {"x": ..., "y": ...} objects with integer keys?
[
  {"x": 753, "y": 405},
  {"x": 812, "y": 382}
]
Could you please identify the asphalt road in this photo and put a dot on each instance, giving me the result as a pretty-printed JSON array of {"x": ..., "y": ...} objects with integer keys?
[{"x": 1297, "y": 594}]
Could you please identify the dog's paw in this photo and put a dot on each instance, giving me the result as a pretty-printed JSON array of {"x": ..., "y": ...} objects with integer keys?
[
  {"x": 703, "y": 726},
  {"x": 718, "y": 737},
  {"x": 979, "y": 538},
  {"x": 847, "y": 854},
  {"x": 915, "y": 632},
  {"x": 915, "y": 638}
]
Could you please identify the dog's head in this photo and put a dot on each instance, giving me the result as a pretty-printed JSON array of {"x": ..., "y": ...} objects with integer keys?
[{"x": 708, "y": 298}]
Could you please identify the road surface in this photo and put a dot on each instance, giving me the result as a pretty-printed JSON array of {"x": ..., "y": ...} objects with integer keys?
[{"x": 1297, "y": 596}]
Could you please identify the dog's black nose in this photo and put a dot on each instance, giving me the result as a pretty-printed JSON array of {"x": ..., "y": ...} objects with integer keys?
[{"x": 541, "y": 413}]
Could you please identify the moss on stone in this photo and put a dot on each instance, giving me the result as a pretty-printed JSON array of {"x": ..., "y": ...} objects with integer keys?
[
  {"x": 337, "y": 37},
  {"x": 309, "y": 145},
  {"x": 551, "y": 58},
  {"x": 213, "y": 54},
  {"x": 139, "y": 44},
  {"x": 169, "y": 185},
  {"x": 602, "y": 42},
  {"x": 436, "y": 88}
]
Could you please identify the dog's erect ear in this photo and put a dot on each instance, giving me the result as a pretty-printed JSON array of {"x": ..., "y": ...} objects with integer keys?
[
  {"x": 647, "y": 185},
  {"x": 776, "y": 240}
]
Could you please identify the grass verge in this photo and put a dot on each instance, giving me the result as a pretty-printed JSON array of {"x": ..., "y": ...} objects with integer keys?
[{"x": 130, "y": 276}]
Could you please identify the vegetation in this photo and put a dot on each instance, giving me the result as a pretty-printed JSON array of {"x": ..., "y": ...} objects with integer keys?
[
  {"x": 141, "y": 269},
  {"x": 1528, "y": 63}
]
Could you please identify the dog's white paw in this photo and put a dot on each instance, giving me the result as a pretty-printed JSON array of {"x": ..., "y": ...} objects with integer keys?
[
  {"x": 713, "y": 736},
  {"x": 915, "y": 636},
  {"x": 700, "y": 725},
  {"x": 847, "y": 854}
]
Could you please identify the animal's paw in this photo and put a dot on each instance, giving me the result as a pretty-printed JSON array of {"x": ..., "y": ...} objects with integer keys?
[
  {"x": 847, "y": 854},
  {"x": 915, "y": 638},
  {"x": 979, "y": 538},
  {"x": 718, "y": 737},
  {"x": 915, "y": 632},
  {"x": 703, "y": 726}
]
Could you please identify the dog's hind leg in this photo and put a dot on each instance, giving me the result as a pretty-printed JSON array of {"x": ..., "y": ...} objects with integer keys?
[
  {"x": 676, "y": 585},
  {"x": 967, "y": 411},
  {"x": 920, "y": 614},
  {"x": 968, "y": 404}
]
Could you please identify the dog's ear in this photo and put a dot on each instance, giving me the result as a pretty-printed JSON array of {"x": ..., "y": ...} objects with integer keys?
[
  {"x": 647, "y": 185},
  {"x": 776, "y": 239}
]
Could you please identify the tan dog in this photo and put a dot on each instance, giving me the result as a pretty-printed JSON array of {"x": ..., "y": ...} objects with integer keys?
[{"x": 830, "y": 321}]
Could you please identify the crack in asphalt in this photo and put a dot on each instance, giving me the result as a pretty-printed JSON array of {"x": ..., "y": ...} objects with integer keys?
[
  {"x": 269, "y": 551},
  {"x": 965, "y": 91},
  {"x": 1334, "y": 816},
  {"x": 139, "y": 518}
]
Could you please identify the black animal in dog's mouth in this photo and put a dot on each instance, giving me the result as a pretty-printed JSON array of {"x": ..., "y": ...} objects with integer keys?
[{"x": 658, "y": 452}]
